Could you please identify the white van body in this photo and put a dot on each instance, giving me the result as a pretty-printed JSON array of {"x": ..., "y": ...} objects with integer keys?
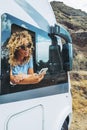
[{"x": 45, "y": 108}]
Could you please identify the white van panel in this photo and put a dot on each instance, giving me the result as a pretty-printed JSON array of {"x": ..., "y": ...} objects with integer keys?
[
  {"x": 12, "y": 8},
  {"x": 44, "y": 8},
  {"x": 28, "y": 119},
  {"x": 47, "y": 112},
  {"x": 31, "y": 11}
]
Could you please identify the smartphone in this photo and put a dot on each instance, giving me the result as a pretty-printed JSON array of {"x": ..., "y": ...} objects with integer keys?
[{"x": 43, "y": 70}]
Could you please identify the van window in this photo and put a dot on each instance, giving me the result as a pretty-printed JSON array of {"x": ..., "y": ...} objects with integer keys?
[{"x": 45, "y": 55}]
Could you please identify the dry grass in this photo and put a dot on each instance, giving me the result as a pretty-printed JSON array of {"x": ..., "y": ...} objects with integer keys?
[
  {"x": 79, "y": 100},
  {"x": 79, "y": 91}
]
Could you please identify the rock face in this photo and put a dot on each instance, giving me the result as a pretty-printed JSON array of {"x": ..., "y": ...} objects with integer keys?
[
  {"x": 80, "y": 38},
  {"x": 75, "y": 21}
]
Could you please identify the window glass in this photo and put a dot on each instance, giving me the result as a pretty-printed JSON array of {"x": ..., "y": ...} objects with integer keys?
[{"x": 42, "y": 50}]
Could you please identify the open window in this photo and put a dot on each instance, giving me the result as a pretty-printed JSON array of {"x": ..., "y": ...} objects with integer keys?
[{"x": 10, "y": 25}]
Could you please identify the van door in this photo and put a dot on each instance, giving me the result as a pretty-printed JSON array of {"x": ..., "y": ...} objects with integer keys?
[{"x": 31, "y": 118}]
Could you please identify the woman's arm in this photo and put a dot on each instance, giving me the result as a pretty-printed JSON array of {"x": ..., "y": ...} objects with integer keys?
[
  {"x": 31, "y": 71},
  {"x": 15, "y": 79},
  {"x": 31, "y": 78}
]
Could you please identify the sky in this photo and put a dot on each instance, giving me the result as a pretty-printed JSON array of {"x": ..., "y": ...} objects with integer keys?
[{"x": 77, "y": 4}]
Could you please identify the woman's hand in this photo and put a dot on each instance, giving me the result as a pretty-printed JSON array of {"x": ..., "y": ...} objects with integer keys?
[{"x": 39, "y": 77}]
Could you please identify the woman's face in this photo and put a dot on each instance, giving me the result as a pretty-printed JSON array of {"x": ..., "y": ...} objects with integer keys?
[{"x": 25, "y": 48}]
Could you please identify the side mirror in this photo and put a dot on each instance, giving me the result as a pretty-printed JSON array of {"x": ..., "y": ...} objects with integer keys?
[{"x": 67, "y": 55}]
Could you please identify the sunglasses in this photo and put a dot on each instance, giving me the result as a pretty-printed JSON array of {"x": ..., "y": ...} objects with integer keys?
[{"x": 23, "y": 47}]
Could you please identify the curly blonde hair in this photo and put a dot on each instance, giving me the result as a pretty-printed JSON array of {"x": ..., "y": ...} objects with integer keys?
[{"x": 14, "y": 42}]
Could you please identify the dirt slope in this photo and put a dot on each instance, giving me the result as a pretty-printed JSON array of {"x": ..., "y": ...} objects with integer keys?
[{"x": 79, "y": 99}]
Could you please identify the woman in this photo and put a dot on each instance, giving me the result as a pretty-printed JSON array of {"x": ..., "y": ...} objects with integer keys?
[{"x": 20, "y": 48}]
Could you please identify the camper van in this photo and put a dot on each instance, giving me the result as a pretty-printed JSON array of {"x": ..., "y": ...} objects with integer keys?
[{"x": 47, "y": 104}]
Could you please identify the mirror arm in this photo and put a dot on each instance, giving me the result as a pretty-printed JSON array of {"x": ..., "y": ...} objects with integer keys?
[{"x": 60, "y": 31}]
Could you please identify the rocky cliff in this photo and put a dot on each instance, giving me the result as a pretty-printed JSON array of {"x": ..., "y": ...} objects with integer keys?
[{"x": 73, "y": 19}]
